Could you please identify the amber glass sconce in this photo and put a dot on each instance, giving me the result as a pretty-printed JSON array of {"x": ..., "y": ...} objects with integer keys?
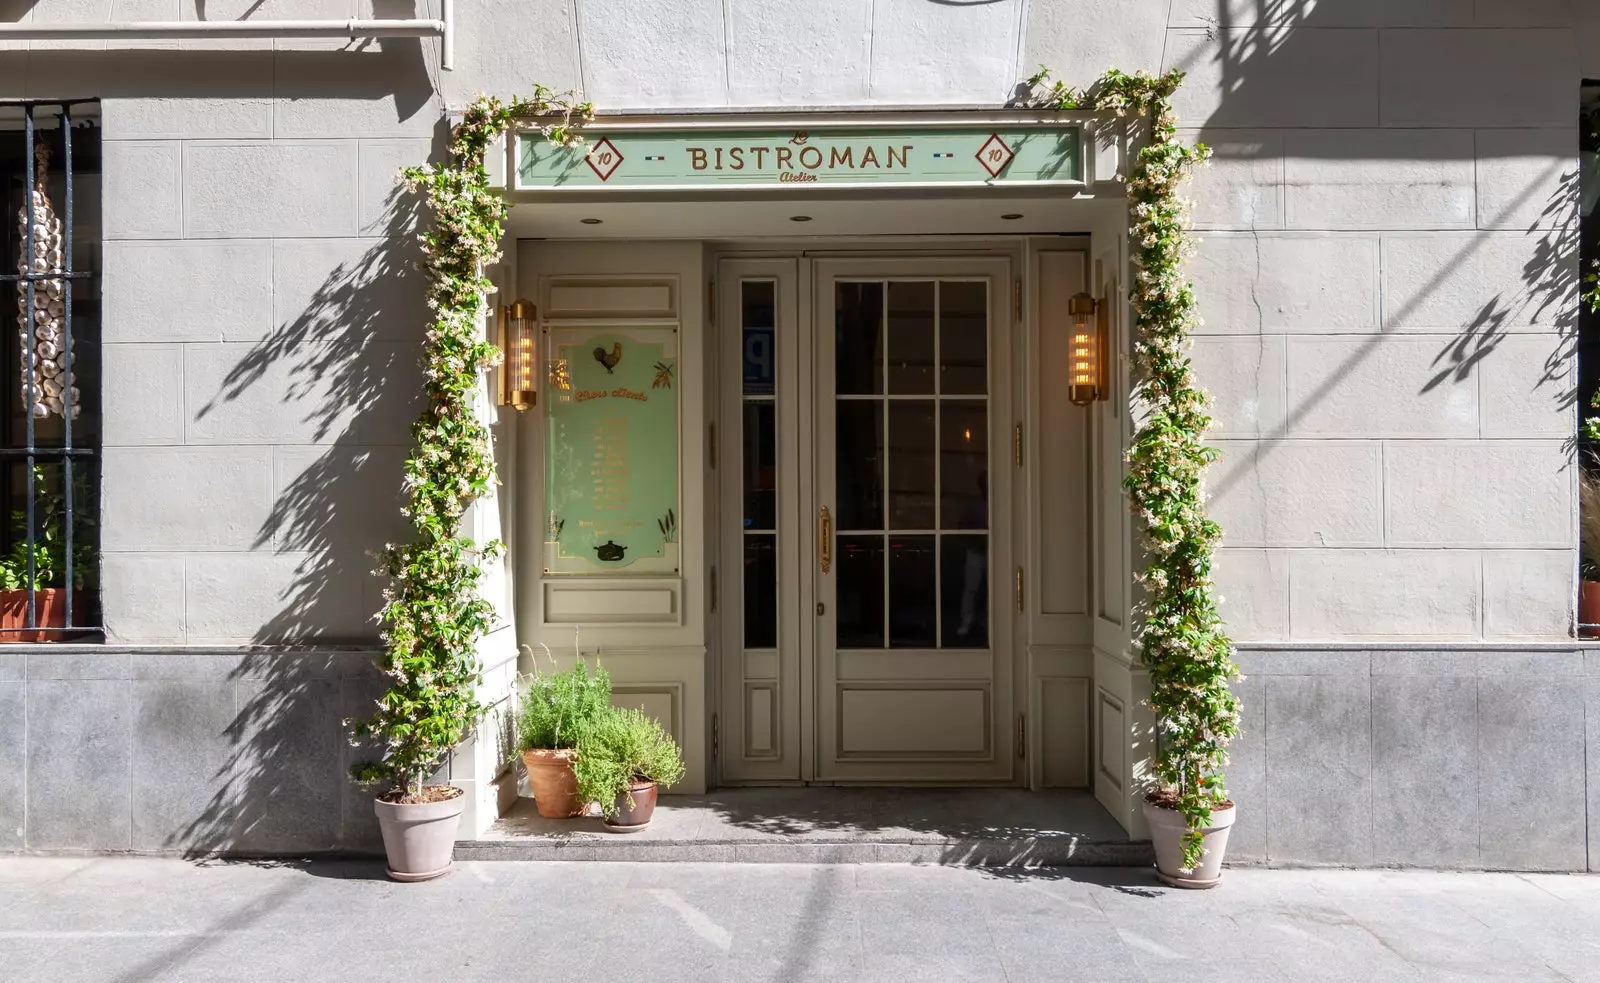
[
  {"x": 1086, "y": 375},
  {"x": 519, "y": 328}
]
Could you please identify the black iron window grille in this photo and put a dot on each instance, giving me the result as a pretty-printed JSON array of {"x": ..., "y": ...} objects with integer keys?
[{"x": 49, "y": 446}]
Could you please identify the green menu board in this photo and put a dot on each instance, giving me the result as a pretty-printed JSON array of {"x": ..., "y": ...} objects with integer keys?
[{"x": 611, "y": 454}]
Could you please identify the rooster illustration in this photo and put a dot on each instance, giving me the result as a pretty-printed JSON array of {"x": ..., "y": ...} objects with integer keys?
[{"x": 609, "y": 360}]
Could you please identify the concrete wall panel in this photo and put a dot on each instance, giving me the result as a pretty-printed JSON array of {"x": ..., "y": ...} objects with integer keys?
[
  {"x": 1479, "y": 78},
  {"x": 280, "y": 188},
  {"x": 227, "y": 290},
  {"x": 1345, "y": 594},
  {"x": 1379, "y": 179},
  {"x": 1377, "y": 386},
  {"x": 1298, "y": 493},
  {"x": 1504, "y": 493},
  {"x": 1286, "y": 283}
]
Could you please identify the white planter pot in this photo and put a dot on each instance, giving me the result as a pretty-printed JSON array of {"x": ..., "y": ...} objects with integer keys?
[
  {"x": 1166, "y": 834},
  {"x": 420, "y": 838}
]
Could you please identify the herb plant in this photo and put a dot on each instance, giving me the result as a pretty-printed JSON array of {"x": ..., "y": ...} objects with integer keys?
[
  {"x": 559, "y": 706},
  {"x": 49, "y": 550},
  {"x": 433, "y": 615},
  {"x": 620, "y": 747},
  {"x": 1182, "y": 641}
]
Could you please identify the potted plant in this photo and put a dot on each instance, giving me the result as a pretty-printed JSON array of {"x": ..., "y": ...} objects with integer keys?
[
  {"x": 1589, "y": 565},
  {"x": 557, "y": 707},
  {"x": 432, "y": 622},
  {"x": 624, "y": 759},
  {"x": 41, "y": 567}
]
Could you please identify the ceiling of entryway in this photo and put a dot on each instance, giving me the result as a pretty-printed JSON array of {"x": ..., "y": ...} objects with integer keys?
[{"x": 826, "y": 216}]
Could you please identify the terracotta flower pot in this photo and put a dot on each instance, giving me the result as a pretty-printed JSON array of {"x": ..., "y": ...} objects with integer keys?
[
  {"x": 1589, "y": 609},
  {"x": 554, "y": 786},
  {"x": 1166, "y": 835},
  {"x": 631, "y": 819},
  {"x": 420, "y": 837},
  {"x": 49, "y": 609}
]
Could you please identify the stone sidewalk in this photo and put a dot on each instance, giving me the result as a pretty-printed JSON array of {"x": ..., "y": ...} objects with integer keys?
[{"x": 111, "y": 920}]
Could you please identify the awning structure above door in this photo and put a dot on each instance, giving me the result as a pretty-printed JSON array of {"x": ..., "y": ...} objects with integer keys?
[{"x": 807, "y": 155}]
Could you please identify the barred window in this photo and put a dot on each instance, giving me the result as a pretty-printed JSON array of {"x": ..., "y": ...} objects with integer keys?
[{"x": 50, "y": 307}]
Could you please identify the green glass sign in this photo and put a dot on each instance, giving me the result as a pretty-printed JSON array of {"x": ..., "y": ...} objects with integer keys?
[
  {"x": 611, "y": 456},
  {"x": 669, "y": 160}
]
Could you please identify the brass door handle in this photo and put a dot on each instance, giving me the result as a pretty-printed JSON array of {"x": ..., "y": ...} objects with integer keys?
[{"x": 824, "y": 540}]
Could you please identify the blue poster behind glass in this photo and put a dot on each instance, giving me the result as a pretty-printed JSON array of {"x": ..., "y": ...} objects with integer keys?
[{"x": 758, "y": 362}]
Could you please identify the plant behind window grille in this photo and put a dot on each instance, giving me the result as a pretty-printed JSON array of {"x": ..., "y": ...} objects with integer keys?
[{"x": 48, "y": 382}]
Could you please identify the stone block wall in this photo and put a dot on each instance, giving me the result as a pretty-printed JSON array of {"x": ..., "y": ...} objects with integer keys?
[
  {"x": 1416, "y": 756},
  {"x": 106, "y": 749},
  {"x": 1388, "y": 273}
]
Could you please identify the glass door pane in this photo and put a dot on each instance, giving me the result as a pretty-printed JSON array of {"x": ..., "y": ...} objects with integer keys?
[{"x": 911, "y": 453}]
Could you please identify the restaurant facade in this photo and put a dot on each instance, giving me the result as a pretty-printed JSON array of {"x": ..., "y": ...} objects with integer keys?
[{"x": 818, "y": 392}]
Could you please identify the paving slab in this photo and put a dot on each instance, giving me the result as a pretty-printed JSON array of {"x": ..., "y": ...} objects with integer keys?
[{"x": 144, "y": 920}]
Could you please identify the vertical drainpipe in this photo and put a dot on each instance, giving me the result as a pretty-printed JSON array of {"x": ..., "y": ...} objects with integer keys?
[{"x": 447, "y": 54}]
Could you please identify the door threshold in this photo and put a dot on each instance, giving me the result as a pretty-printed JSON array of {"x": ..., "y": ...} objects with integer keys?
[{"x": 957, "y": 827}]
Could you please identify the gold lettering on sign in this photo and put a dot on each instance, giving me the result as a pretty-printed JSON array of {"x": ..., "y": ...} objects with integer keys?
[
  {"x": 795, "y": 177},
  {"x": 786, "y": 159},
  {"x": 622, "y": 392},
  {"x": 584, "y": 395}
]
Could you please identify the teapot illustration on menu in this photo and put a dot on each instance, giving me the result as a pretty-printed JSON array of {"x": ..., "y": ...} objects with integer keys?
[{"x": 610, "y": 551}]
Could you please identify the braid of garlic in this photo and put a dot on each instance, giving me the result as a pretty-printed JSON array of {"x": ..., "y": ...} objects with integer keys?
[{"x": 53, "y": 385}]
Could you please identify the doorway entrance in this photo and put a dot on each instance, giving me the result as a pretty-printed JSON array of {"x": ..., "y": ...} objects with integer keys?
[{"x": 864, "y": 462}]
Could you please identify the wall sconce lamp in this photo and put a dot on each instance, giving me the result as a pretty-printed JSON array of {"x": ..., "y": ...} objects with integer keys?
[
  {"x": 519, "y": 329},
  {"x": 1086, "y": 378}
]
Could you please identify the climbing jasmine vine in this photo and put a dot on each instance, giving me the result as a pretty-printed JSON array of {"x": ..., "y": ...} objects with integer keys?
[
  {"x": 1183, "y": 643},
  {"x": 433, "y": 615}
]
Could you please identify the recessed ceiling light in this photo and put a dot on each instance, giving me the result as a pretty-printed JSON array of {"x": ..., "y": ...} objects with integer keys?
[
  {"x": 799, "y": 218},
  {"x": 589, "y": 221},
  {"x": 1011, "y": 216}
]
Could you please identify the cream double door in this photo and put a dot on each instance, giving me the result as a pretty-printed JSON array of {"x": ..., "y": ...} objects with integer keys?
[{"x": 865, "y": 467}]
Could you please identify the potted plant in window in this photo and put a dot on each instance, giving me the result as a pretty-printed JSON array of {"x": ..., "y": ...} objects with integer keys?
[
  {"x": 1589, "y": 561},
  {"x": 46, "y": 575},
  {"x": 624, "y": 759},
  {"x": 557, "y": 707}
]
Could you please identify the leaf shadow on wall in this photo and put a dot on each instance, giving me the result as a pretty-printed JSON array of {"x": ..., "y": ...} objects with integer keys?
[{"x": 348, "y": 363}]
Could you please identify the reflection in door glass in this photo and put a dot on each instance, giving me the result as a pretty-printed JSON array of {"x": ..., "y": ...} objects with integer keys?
[
  {"x": 858, "y": 339},
  {"x": 964, "y": 599},
  {"x": 760, "y": 591},
  {"x": 910, "y": 468},
  {"x": 858, "y": 463},
  {"x": 760, "y": 464},
  {"x": 911, "y": 351},
  {"x": 859, "y": 601},
  {"x": 759, "y": 444},
  {"x": 912, "y": 590},
  {"x": 963, "y": 337},
  {"x": 964, "y": 464}
]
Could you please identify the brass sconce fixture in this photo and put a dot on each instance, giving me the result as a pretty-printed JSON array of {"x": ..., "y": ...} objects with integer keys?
[
  {"x": 1086, "y": 377},
  {"x": 519, "y": 330}
]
